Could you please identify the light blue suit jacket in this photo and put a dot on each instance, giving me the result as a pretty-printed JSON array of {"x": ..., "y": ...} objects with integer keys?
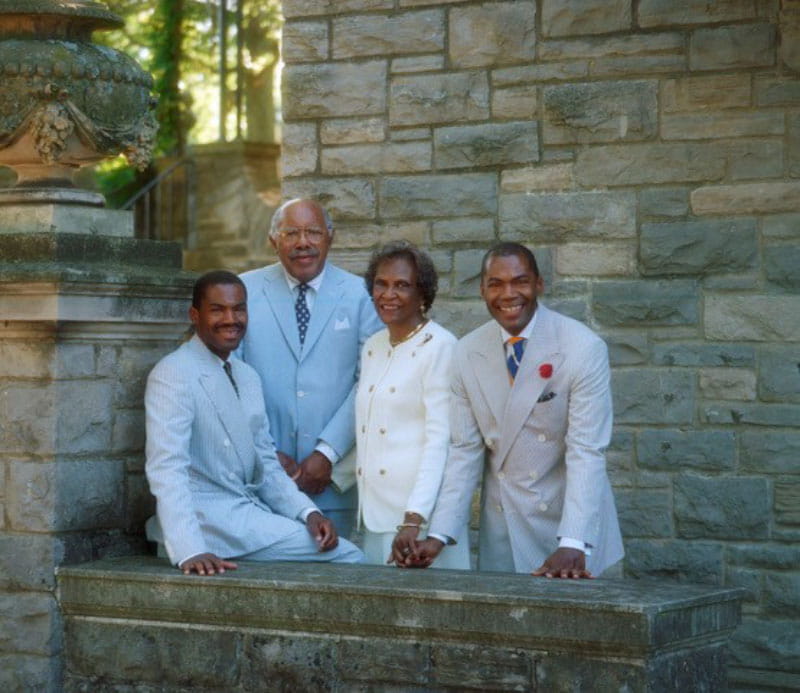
[
  {"x": 310, "y": 391},
  {"x": 210, "y": 459}
]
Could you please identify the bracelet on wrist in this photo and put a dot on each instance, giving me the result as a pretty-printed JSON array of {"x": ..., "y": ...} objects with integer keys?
[{"x": 408, "y": 524}]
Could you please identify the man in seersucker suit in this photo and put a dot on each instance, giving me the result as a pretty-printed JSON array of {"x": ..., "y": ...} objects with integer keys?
[
  {"x": 210, "y": 461},
  {"x": 530, "y": 413},
  {"x": 308, "y": 321}
]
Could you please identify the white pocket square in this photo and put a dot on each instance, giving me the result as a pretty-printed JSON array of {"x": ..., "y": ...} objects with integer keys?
[{"x": 342, "y": 324}]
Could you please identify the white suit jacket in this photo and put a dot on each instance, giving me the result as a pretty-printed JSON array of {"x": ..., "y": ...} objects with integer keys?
[
  {"x": 539, "y": 444},
  {"x": 309, "y": 392},
  {"x": 210, "y": 461},
  {"x": 402, "y": 428}
]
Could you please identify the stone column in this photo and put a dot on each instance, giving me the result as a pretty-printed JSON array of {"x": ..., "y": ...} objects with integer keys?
[{"x": 85, "y": 311}]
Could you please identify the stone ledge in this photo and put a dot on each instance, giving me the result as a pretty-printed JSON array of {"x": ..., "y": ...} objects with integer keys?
[{"x": 589, "y": 618}]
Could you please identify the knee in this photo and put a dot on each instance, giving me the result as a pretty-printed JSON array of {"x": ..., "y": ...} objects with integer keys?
[{"x": 348, "y": 552}]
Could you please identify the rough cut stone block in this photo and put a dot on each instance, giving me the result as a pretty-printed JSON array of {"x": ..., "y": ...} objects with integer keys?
[
  {"x": 772, "y": 645},
  {"x": 765, "y": 556},
  {"x": 384, "y": 157},
  {"x": 492, "y": 34},
  {"x": 782, "y": 593},
  {"x": 27, "y": 561},
  {"x": 288, "y": 664},
  {"x": 38, "y": 621},
  {"x": 460, "y": 316},
  {"x": 410, "y": 134},
  {"x": 722, "y": 507},
  {"x": 732, "y": 47},
  {"x": 627, "y": 348},
  {"x": 417, "y": 63},
  {"x": 777, "y": 91},
  {"x": 621, "y": 67},
  {"x": 707, "y": 125},
  {"x": 653, "y": 395},
  {"x": 299, "y": 149},
  {"x": 380, "y": 35},
  {"x": 439, "y": 196},
  {"x": 781, "y": 226},
  {"x": 682, "y": 561},
  {"x": 491, "y": 144},
  {"x": 345, "y": 198},
  {"x": 706, "y": 92},
  {"x": 637, "y": 46},
  {"x": 644, "y": 513},
  {"x": 752, "y": 158},
  {"x": 438, "y": 98},
  {"x": 600, "y": 112},
  {"x": 548, "y": 217},
  {"x": 698, "y": 247},
  {"x": 779, "y": 374},
  {"x": 751, "y": 414},
  {"x": 460, "y": 230},
  {"x": 639, "y": 164},
  {"x": 793, "y": 150},
  {"x": 596, "y": 259},
  {"x": 756, "y": 318},
  {"x": 534, "y": 74},
  {"x": 335, "y": 89},
  {"x": 150, "y": 654},
  {"x": 575, "y": 17},
  {"x": 25, "y": 358},
  {"x": 703, "y": 355},
  {"x": 302, "y": 8},
  {"x": 127, "y": 433},
  {"x": 304, "y": 42},
  {"x": 352, "y": 130},
  {"x": 787, "y": 503},
  {"x": 674, "y": 450},
  {"x": 65, "y": 495},
  {"x": 513, "y": 103},
  {"x": 491, "y": 668},
  {"x": 780, "y": 266},
  {"x": 771, "y": 453},
  {"x": 536, "y": 178},
  {"x": 639, "y": 303},
  {"x": 467, "y": 270},
  {"x": 653, "y": 13},
  {"x": 727, "y": 383},
  {"x": 664, "y": 202},
  {"x": 27, "y": 421},
  {"x": 399, "y": 661}
]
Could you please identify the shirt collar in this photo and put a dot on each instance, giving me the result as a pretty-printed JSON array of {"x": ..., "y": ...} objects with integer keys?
[
  {"x": 527, "y": 331},
  {"x": 315, "y": 283}
]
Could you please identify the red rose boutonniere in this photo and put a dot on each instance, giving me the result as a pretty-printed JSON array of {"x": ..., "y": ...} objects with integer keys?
[{"x": 546, "y": 370}]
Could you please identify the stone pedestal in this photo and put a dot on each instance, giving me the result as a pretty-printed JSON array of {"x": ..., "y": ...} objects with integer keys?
[
  {"x": 138, "y": 624},
  {"x": 85, "y": 311}
]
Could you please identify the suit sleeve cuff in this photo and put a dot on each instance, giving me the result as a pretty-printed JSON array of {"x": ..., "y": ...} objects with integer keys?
[
  {"x": 328, "y": 451},
  {"x": 569, "y": 543},
  {"x": 303, "y": 514},
  {"x": 447, "y": 541}
]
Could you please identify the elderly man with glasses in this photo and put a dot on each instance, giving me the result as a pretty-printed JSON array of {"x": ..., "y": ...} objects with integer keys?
[{"x": 308, "y": 320}]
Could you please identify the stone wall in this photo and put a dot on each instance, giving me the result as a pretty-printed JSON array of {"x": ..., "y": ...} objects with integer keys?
[{"x": 649, "y": 152}]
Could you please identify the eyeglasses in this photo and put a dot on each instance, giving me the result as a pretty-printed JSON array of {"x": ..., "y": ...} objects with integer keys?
[{"x": 313, "y": 235}]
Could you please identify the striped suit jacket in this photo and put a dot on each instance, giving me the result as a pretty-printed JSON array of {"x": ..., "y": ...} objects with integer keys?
[
  {"x": 539, "y": 444},
  {"x": 211, "y": 462}
]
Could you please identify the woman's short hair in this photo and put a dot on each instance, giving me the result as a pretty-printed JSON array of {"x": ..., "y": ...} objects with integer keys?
[{"x": 427, "y": 278}]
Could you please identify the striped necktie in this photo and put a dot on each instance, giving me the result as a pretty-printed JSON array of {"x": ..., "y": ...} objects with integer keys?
[{"x": 515, "y": 357}]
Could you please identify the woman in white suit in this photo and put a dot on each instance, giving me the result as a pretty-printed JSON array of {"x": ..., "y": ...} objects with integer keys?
[{"x": 402, "y": 430}]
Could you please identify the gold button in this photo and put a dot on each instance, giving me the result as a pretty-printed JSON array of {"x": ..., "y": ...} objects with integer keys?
[
  {"x": 501, "y": 475},
  {"x": 542, "y": 437},
  {"x": 542, "y": 506},
  {"x": 499, "y": 508}
]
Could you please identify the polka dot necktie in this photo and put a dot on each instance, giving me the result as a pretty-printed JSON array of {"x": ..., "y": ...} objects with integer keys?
[
  {"x": 514, "y": 358},
  {"x": 301, "y": 312}
]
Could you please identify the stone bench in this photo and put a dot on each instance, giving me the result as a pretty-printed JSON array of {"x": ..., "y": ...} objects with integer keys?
[{"x": 312, "y": 627}]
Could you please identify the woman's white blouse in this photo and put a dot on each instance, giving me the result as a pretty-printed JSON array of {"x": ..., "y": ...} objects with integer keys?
[{"x": 402, "y": 429}]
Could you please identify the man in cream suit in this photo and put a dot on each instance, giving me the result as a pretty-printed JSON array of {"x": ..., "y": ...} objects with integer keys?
[
  {"x": 211, "y": 464},
  {"x": 530, "y": 413},
  {"x": 308, "y": 321}
]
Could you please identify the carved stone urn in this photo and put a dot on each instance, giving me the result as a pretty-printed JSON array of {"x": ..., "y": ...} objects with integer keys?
[{"x": 64, "y": 101}]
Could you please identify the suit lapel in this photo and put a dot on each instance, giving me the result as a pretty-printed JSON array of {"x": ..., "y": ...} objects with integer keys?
[
  {"x": 226, "y": 404},
  {"x": 281, "y": 302},
  {"x": 325, "y": 303},
  {"x": 488, "y": 363},
  {"x": 542, "y": 348}
]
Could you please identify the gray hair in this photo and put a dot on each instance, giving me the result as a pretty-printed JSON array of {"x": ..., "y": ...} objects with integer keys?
[{"x": 277, "y": 218}]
